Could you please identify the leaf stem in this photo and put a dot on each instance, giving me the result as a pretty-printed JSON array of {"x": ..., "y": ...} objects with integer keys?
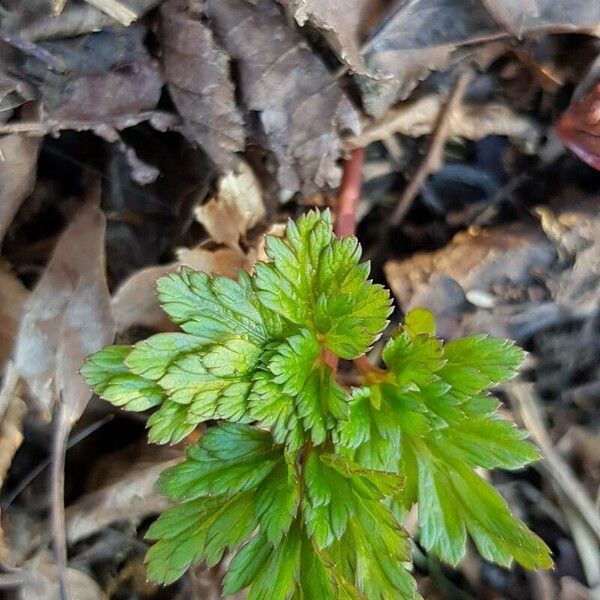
[{"x": 349, "y": 195}]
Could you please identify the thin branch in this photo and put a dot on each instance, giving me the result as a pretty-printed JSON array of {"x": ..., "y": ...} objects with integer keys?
[
  {"x": 57, "y": 494},
  {"x": 522, "y": 397},
  {"x": 434, "y": 157}
]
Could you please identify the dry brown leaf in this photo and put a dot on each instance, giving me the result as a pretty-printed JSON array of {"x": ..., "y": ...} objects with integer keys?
[
  {"x": 302, "y": 108},
  {"x": 197, "y": 70},
  {"x": 237, "y": 207},
  {"x": 341, "y": 22},
  {"x": 12, "y": 412},
  {"x": 522, "y": 16},
  {"x": 135, "y": 302},
  {"x": 67, "y": 316},
  {"x": 13, "y": 295},
  {"x": 423, "y": 35},
  {"x": 419, "y": 37},
  {"x": 40, "y": 580},
  {"x": 132, "y": 498},
  {"x": 471, "y": 121},
  {"x": 110, "y": 73},
  {"x": 18, "y": 161}
]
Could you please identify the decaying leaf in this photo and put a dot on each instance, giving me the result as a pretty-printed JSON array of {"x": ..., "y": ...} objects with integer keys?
[
  {"x": 132, "y": 498},
  {"x": 40, "y": 580},
  {"x": 110, "y": 73},
  {"x": 579, "y": 128},
  {"x": 522, "y": 16},
  {"x": 237, "y": 207},
  {"x": 18, "y": 161},
  {"x": 340, "y": 20},
  {"x": 12, "y": 412},
  {"x": 470, "y": 121},
  {"x": 67, "y": 316},
  {"x": 302, "y": 108},
  {"x": 13, "y": 295},
  {"x": 135, "y": 302},
  {"x": 419, "y": 37},
  {"x": 198, "y": 73},
  {"x": 423, "y": 35}
]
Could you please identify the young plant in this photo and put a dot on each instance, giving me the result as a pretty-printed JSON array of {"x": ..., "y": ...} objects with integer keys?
[{"x": 307, "y": 482}]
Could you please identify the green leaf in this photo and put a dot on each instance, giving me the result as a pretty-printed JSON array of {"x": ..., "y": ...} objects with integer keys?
[
  {"x": 170, "y": 424},
  {"x": 316, "y": 282},
  {"x": 478, "y": 362},
  {"x": 107, "y": 374},
  {"x": 198, "y": 530},
  {"x": 336, "y": 491},
  {"x": 413, "y": 361},
  {"x": 215, "y": 308},
  {"x": 296, "y": 385},
  {"x": 228, "y": 459},
  {"x": 419, "y": 321},
  {"x": 277, "y": 500}
]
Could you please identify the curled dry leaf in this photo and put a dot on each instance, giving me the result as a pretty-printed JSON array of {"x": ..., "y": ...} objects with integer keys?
[
  {"x": 13, "y": 295},
  {"x": 407, "y": 47},
  {"x": 67, "y": 317},
  {"x": 12, "y": 412},
  {"x": 18, "y": 162},
  {"x": 197, "y": 70},
  {"x": 132, "y": 498},
  {"x": 135, "y": 302},
  {"x": 41, "y": 580},
  {"x": 302, "y": 108},
  {"x": 237, "y": 207},
  {"x": 341, "y": 22},
  {"x": 110, "y": 73},
  {"x": 471, "y": 121},
  {"x": 579, "y": 128}
]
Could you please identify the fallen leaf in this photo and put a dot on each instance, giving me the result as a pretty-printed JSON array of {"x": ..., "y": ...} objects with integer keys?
[
  {"x": 424, "y": 35},
  {"x": 237, "y": 207},
  {"x": 417, "y": 38},
  {"x": 12, "y": 412},
  {"x": 523, "y": 16},
  {"x": 197, "y": 70},
  {"x": 340, "y": 21},
  {"x": 110, "y": 73},
  {"x": 470, "y": 121},
  {"x": 66, "y": 317},
  {"x": 302, "y": 108},
  {"x": 18, "y": 162},
  {"x": 133, "y": 498},
  {"x": 135, "y": 302},
  {"x": 37, "y": 24},
  {"x": 40, "y": 580},
  {"x": 579, "y": 128},
  {"x": 13, "y": 295}
]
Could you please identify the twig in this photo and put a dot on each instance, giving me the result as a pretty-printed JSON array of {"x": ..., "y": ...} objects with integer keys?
[
  {"x": 522, "y": 396},
  {"x": 434, "y": 157},
  {"x": 57, "y": 494}
]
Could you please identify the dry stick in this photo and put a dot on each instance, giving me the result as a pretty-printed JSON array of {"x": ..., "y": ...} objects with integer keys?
[
  {"x": 57, "y": 491},
  {"x": 434, "y": 157},
  {"x": 522, "y": 396}
]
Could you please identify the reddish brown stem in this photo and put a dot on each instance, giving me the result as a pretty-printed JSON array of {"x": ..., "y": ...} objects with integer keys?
[
  {"x": 349, "y": 195},
  {"x": 345, "y": 215}
]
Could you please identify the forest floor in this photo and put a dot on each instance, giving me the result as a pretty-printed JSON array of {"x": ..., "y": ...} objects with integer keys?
[{"x": 137, "y": 136}]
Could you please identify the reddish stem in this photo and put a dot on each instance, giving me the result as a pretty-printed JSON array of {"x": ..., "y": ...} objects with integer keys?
[
  {"x": 345, "y": 215},
  {"x": 349, "y": 195}
]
